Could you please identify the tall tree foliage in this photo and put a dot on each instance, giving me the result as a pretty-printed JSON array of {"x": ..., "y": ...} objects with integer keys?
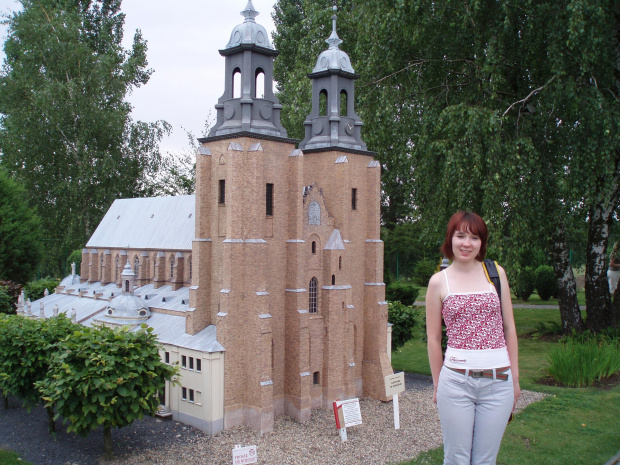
[
  {"x": 65, "y": 128},
  {"x": 20, "y": 232},
  {"x": 506, "y": 108}
]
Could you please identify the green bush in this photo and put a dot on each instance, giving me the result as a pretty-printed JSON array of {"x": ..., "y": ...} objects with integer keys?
[
  {"x": 580, "y": 361},
  {"x": 546, "y": 284},
  {"x": 423, "y": 271},
  {"x": 402, "y": 292},
  {"x": 6, "y": 305},
  {"x": 403, "y": 319},
  {"x": 35, "y": 289},
  {"x": 75, "y": 257},
  {"x": 525, "y": 283}
]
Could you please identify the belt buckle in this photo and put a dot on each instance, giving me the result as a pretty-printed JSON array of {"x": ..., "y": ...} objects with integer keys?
[{"x": 476, "y": 373}]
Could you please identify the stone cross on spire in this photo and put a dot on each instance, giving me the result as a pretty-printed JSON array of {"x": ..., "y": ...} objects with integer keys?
[
  {"x": 249, "y": 13},
  {"x": 333, "y": 40}
]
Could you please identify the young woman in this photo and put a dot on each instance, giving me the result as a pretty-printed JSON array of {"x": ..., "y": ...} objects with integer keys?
[{"x": 477, "y": 383}]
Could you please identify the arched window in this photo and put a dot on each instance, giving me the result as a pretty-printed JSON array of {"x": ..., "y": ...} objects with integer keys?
[
  {"x": 101, "y": 269},
  {"x": 259, "y": 84},
  {"x": 340, "y": 262},
  {"x": 323, "y": 103},
  {"x": 126, "y": 285},
  {"x": 136, "y": 266},
  {"x": 171, "y": 266},
  {"x": 116, "y": 269},
  {"x": 314, "y": 213},
  {"x": 333, "y": 280},
  {"x": 313, "y": 295},
  {"x": 313, "y": 247},
  {"x": 190, "y": 269},
  {"x": 344, "y": 100},
  {"x": 236, "y": 83}
]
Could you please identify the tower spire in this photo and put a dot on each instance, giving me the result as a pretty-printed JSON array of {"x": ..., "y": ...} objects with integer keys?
[
  {"x": 333, "y": 40},
  {"x": 333, "y": 123},
  {"x": 248, "y": 103},
  {"x": 249, "y": 13}
]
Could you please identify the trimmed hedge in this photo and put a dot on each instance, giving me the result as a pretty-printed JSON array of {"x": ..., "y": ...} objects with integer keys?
[
  {"x": 403, "y": 319},
  {"x": 546, "y": 284},
  {"x": 423, "y": 271},
  {"x": 525, "y": 283},
  {"x": 402, "y": 292}
]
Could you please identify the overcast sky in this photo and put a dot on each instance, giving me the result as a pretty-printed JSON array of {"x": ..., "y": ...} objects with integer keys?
[{"x": 183, "y": 37}]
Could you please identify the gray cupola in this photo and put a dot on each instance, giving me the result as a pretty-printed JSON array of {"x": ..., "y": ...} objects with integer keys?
[
  {"x": 126, "y": 309},
  {"x": 333, "y": 121},
  {"x": 248, "y": 103}
]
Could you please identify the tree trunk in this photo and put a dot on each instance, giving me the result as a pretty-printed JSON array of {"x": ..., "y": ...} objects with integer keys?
[
  {"x": 107, "y": 442},
  {"x": 598, "y": 298},
  {"x": 567, "y": 288},
  {"x": 615, "y": 315},
  {"x": 51, "y": 423}
]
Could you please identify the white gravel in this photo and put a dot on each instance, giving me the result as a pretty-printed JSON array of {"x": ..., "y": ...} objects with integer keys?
[{"x": 318, "y": 442}]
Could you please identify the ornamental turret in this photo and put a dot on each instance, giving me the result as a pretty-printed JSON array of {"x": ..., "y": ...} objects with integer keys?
[
  {"x": 333, "y": 123},
  {"x": 248, "y": 103}
]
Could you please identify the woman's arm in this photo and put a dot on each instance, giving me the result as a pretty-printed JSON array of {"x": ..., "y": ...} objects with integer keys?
[
  {"x": 433, "y": 328},
  {"x": 510, "y": 333}
]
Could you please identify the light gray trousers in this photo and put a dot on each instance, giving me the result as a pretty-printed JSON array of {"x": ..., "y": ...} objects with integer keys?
[{"x": 473, "y": 414}]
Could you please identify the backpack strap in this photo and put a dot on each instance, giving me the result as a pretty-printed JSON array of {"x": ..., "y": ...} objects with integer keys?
[{"x": 490, "y": 269}]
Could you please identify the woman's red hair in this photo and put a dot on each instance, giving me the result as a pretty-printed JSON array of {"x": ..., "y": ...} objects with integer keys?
[{"x": 468, "y": 222}]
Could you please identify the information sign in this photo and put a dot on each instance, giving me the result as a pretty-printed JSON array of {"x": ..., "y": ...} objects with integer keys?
[
  {"x": 394, "y": 383},
  {"x": 351, "y": 412},
  {"x": 243, "y": 455}
]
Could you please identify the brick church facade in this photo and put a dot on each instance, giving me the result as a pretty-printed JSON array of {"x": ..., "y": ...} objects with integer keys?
[{"x": 282, "y": 279}]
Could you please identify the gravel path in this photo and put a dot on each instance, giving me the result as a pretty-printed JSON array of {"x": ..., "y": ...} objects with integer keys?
[{"x": 152, "y": 441}]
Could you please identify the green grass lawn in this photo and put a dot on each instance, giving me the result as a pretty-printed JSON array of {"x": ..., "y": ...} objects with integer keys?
[
  {"x": 10, "y": 458},
  {"x": 570, "y": 426}
]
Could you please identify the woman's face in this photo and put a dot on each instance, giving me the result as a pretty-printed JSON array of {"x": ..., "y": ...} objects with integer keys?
[{"x": 465, "y": 246}]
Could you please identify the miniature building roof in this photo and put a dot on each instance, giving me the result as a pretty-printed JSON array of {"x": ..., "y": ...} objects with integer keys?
[
  {"x": 333, "y": 58},
  {"x": 163, "y": 223},
  {"x": 170, "y": 329},
  {"x": 249, "y": 32}
]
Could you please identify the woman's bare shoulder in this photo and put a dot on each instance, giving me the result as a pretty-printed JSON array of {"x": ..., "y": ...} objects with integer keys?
[{"x": 436, "y": 282}]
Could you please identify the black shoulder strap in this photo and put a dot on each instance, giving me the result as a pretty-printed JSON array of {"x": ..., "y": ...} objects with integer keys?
[{"x": 490, "y": 268}]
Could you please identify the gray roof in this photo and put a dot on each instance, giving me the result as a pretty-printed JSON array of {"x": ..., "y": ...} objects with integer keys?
[
  {"x": 249, "y": 32},
  {"x": 170, "y": 329},
  {"x": 162, "y": 223}
]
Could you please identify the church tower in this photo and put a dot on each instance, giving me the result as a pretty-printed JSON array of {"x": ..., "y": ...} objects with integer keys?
[
  {"x": 333, "y": 121},
  {"x": 287, "y": 252},
  {"x": 248, "y": 103}
]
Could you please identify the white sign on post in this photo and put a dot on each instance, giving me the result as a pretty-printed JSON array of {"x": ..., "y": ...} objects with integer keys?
[
  {"x": 347, "y": 413},
  {"x": 243, "y": 455},
  {"x": 395, "y": 384}
]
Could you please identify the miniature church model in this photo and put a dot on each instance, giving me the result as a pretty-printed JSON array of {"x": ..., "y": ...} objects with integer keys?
[{"x": 266, "y": 286}]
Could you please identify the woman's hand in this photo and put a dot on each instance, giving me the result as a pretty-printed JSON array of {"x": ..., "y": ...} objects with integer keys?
[{"x": 517, "y": 389}]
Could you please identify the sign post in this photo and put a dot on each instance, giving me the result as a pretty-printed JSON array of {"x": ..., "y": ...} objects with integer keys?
[
  {"x": 243, "y": 455},
  {"x": 395, "y": 384},
  {"x": 347, "y": 413}
]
